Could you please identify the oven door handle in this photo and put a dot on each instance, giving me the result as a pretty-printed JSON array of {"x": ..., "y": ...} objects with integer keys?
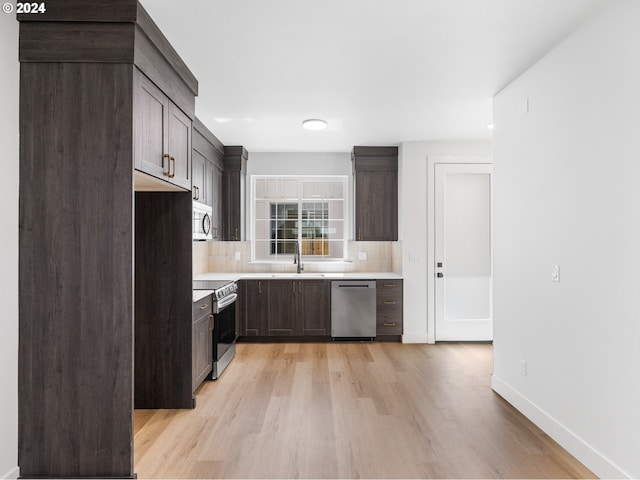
[{"x": 225, "y": 302}]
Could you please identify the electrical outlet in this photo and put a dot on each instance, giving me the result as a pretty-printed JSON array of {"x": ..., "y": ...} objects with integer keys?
[
  {"x": 523, "y": 368},
  {"x": 362, "y": 255},
  {"x": 238, "y": 256},
  {"x": 555, "y": 273}
]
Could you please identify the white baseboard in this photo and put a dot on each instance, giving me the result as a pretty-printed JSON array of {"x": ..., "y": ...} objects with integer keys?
[
  {"x": 581, "y": 450},
  {"x": 12, "y": 474},
  {"x": 415, "y": 338}
]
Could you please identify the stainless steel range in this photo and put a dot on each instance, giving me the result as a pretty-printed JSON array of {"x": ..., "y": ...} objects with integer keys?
[{"x": 224, "y": 318}]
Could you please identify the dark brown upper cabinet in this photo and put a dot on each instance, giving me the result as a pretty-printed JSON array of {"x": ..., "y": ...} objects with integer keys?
[
  {"x": 375, "y": 174},
  {"x": 233, "y": 192},
  {"x": 198, "y": 175},
  {"x": 214, "y": 175},
  {"x": 162, "y": 135},
  {"x": 207, "y": 165}
]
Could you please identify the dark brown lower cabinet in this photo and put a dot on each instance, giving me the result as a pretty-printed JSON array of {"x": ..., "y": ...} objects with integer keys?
[
  {"x": 282, "y": 308},
  {"x": 256, "y": 307},
  {"x": 302, "y": 308},
  {"x": 285, "y": 308},
  {"x": 314, "y": 305},
  {"x": 388, "y": 309},
  {"x": 201, "y": 335}
]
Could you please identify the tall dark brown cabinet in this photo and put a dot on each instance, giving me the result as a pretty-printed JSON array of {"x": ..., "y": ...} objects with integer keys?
[
  {"x": 375, "y": 173},
  {"x": 80, "y": 141},
  {"x": 233, "y": 192}
]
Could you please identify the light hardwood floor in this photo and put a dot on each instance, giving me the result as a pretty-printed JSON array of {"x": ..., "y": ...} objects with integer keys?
[{"x": 349, "y": 410}]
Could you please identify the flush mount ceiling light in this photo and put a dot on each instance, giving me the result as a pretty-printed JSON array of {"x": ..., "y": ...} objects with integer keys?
[{"x": 314, "y": 124}]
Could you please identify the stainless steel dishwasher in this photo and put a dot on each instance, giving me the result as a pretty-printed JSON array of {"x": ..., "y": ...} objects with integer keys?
[{"x": 353, "y": 309}]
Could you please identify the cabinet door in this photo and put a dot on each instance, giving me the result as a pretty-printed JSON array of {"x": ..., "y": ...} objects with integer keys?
[
  {"x": 216, "y": 201},
  {"x": 207, "y": 196},
  {"x": 314, "y": 307},
  {"x": 179, "y": 147},
  {"x": 256, "y": 308},
  {"x": 376, "y": 206},
  {"x": 232, "y": 195},
  {"x": 202, "y": 350},
  {"x": 151, "y": 113},
  {"x": 198, "y": 177},
  {"x": 282, "y": 307},
  {"x": 241, "y": 308}
]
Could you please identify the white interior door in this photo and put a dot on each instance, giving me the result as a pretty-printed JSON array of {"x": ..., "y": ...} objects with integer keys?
[{"x": 463, "y": 283}]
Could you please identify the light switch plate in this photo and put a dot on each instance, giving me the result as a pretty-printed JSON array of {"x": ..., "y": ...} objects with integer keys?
[
  {"x": 555, "y": 273},
  {"x": 238, "y": 256},
  {"x": 362, "y": 255}
]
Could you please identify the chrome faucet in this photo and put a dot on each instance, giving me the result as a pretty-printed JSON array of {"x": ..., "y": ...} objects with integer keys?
[{"x": 296, "y": 259}]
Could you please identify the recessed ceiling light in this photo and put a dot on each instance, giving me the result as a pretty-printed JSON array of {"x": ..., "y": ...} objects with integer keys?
[
  {"x": 314, "y": 124},
  {"x": 490, "y": 126}
]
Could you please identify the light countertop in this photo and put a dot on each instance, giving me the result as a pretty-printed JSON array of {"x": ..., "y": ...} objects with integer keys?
[
  {"x": 289, "y": 276},
  {"x": 200, "y": 294}
]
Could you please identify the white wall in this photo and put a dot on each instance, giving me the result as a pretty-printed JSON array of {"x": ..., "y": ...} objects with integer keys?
[
  {"x": 9, "y": 246},
  {"x": 413, "y": 188},
  {"x": 288, "y": 163},
  {"x": 567, "y": 192}
]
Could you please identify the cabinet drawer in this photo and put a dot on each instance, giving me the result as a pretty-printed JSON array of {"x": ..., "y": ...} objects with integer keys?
[
  {"x": 202, "y": 307},
  {"x": 389, "y": 325},
  {"x": 388, "y": 302},
  {"x": 389, "y": 287},
  {"x": 389, "y": 319},
  {"x": 389, "y": 307}
]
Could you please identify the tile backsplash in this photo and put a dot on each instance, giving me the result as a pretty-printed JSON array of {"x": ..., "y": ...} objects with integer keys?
[{"x": 236, "y": 257}]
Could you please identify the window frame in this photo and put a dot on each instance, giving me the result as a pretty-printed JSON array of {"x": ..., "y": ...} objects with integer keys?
[{"x": 300, "y": 200}]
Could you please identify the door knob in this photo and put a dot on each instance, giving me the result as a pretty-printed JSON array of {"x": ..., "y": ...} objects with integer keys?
[{"x": 440, "y": 275}]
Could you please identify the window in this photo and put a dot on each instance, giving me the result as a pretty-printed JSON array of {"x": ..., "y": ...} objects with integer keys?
[{"x": 307, "y": 211}]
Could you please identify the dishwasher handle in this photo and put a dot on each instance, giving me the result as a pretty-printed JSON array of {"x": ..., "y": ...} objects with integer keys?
[{"x": 357, "y": 284}]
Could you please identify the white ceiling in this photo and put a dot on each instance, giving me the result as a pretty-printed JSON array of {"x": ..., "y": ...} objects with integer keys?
[{"x": 380, "y": 72}]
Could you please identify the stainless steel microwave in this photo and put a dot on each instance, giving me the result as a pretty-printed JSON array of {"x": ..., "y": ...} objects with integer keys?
[{"x": 202, "y": 221}]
